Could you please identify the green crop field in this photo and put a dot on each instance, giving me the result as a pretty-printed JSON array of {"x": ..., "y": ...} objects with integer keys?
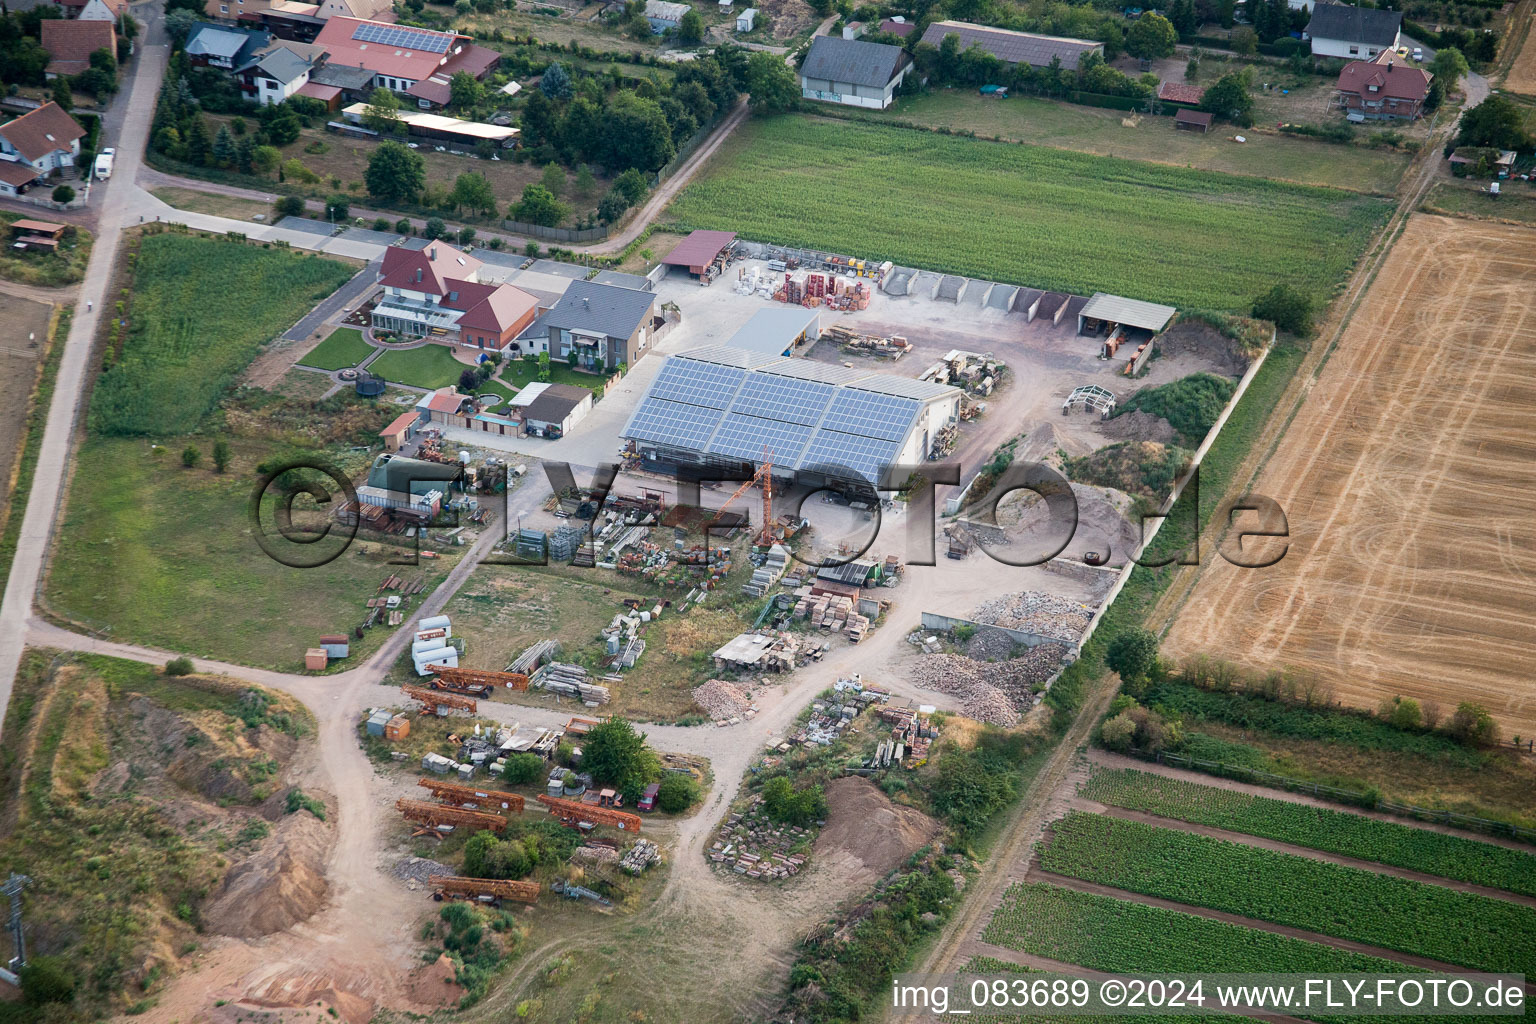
[
  {"x": 1048, "y": 218},
  {"x": 345, "y": 347},
  {"x": 1352, "y": 835},
  {"x": 190, "y": 332},
  {"x": 1349, "y": 903}
]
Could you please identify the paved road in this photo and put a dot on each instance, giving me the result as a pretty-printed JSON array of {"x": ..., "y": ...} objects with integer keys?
[
  {"x": 362, "y": 283},
  {"x": 128, "y": 133}
]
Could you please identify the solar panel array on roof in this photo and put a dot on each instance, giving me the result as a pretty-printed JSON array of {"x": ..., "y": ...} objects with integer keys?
[
  {"x": 872, "y": 415},
  {"x": 403, "y": 37},
  {"x": 868, "y": 457},
  {"x": 743, "y": 436},
  {"x": 703, "y": 384},
  {"x": 783, "y": 398},
  {"x": 673, "y": 423}
]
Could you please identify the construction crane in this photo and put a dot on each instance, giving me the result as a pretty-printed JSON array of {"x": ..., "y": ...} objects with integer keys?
[
  {"x": 484, "y": 799},
  {"x": 431, "y": 700},
  {"x": 475, "y": 682},
  {"x": 482, "y": 890},
  {"x": 429, "y": 817},
  {"x": 574, "y": 815},
  {"x": 764, "y": 476}
]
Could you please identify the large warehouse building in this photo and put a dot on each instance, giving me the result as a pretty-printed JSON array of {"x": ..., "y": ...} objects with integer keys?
[{"x": 821, "y": 423}]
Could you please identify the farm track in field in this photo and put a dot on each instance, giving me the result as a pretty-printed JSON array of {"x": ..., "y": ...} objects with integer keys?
[
  {"x": 1245, "y": 839},
  {"x": 1039, "y": 874}
]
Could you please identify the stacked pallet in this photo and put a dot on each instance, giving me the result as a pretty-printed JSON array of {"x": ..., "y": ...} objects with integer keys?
[{"x": 571, "y": 681}]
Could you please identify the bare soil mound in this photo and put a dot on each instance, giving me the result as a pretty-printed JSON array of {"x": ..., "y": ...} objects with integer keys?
[
  {"x": 865, "y": 827},
  {"x": 1137, "y": 425},
  {"x": 1144, "y": 468},
  {"x": 280, "y": 884},
  {"x": 434, "y": 984},
  {"x": 1207, "y": 343}
]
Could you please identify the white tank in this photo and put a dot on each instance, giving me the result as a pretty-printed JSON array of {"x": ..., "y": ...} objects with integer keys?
[
  {"x": 421, "y": 647},
  {"x": 463, "y": 458},
  {"x": 435, "y": 622}
]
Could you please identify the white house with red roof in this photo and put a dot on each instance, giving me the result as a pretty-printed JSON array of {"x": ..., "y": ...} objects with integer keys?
[
  {"x": 417, "y": 63},
  {"x": 36, "y": 145},
  {"x": 437, "y": 292}
]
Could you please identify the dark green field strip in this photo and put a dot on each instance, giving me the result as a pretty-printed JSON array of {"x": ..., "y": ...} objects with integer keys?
[
  {"x": 1348, "y": 903},
  {"x": 1319, "y": 828}
]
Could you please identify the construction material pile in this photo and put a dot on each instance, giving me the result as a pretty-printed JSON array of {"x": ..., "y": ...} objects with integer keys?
[
  {"x": 833, "y": 612},
  {"x": 414, "y": 871},
  {"x": 675, "y": 568},
  {"x": 849, "y": 340},
  {"x": 752, "y": 844},
  {"x": 991, "y": 691},
  {"x": 724, "y": 701},
  {"x": 990, "y": 645},
  {"x": 595, "y": 855},
  {"x": 1060, "y": 618},
  {"x": 978, "y": 373},
  {"x": 570, "y": 681},
  {"x": 640, "y": 856}
]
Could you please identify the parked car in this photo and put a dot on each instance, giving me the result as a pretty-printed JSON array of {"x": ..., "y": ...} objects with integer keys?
[{"x": 1418, "y": 53}]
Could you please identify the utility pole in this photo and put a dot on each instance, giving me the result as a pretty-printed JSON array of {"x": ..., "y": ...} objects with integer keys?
[{"x": 12, "y": 887}]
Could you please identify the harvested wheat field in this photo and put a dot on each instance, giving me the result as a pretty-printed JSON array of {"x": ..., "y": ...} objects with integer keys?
[
  {"x": 1522, "y": 73},
  {"x": 1407, "y": 478}
]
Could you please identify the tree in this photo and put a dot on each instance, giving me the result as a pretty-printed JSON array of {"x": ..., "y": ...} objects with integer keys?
[
  {"x": 1496, "y": 123},
  {"x": 469, "y": 381},
  {"x": 221, "y": 455},
  {"x": 690, "y": 29},
  {"x": 289, "y": 206},
  {"x": 63, "y": 194},
  {"x": 62, "y": 94},
  {"x": 1133, "y": 655},
  {"x": 585, "y": 181},
  {"x": 555, "y": 83},
  {"x": 403, "y": 226},
  {"x": 676, "y": 793},
  {"x": 539, "y": 121},
  {"x": 434, "y": 229},
  {"x": 617, "y": 756},
  {"x": 1286, "y": 307},
  {"x": 1245, "y": 41},
  {"x": 1151, "y": 37},
  {"x": 612, "y": 206},
  {"x": 1449, "y": 66},
  {"x": 1183, "y": 17},
  {"x": 264, "y": 159},
  {"x": 1402, "y": 712},
  {"x": 464, "y": 91},
  {"x": 633, "y": 185},
  {"x": 395, "y": 173},
  {"x": 1119, "y": 732},
  {"x": 544, "y": 368},
  {"x": 1192, "y": 70},
  {"x": 337, "y": 208},
  {"x": 785, "y": 803},
  {"x": 466, "y": 236},
  {"x": 522, "y": 769},
  {"x": 1228, "y": 98},
  {"x": 581, "y": 130},
  {"x": 772, "y": 84},
  {"x": 190, "y": 456},
  {"x": 383, "y": 112},
  {"x": 635, "y": 133},
  {"x": 554, "y": 178},
  {"x": 179, "y": 23},
  {"x": 284, "y": 129},
  {"x": 245, "y": 155},
  {"x": 1472, "y": 725},
  {"x": 539, "y": 206},
  {"x": 472, "y": 191}
]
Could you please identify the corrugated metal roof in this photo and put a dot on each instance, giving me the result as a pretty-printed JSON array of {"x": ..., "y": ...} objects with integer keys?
[
  {"x": 853, "y": 61},
  {"x": 1150, "y": 316},
  {"x": 699, "y": 248},
  {"x": 902, "y": 387},
  {"x": 774, "y": 329},
  {"x": 725, "y": 355},
  {"x": 1013, "y": 47}
]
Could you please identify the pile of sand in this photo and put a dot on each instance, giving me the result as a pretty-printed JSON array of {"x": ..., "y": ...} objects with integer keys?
[
  {"x": 434, "y": 985},
  {"x": 865, "y": 827},
  {"x": 280, "y": 884}
]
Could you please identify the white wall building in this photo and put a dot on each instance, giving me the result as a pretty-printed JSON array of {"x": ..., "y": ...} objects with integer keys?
[{"x": 853, "y": 72}]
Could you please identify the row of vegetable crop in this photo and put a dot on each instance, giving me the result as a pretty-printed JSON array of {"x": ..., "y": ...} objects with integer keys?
[
  {"x": 1320, "y": 828},
  {"x": 1348, "y": 903},
  {"x": 1102, "y": 933}
]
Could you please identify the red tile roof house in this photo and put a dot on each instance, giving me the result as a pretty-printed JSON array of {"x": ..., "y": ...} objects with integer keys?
[
  {"x": 437, "y": 292},
  {"x": 417, "y": 63},
  {"x": 71, "y": 43},
  {"x": 1383, "y": 89},
  {"x": 36, "y": 145}
]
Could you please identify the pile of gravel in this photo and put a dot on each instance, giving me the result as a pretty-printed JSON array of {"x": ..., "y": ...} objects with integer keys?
[
  {"x": 414, "y": 871},
  {"x": 1034, "y": 612}
]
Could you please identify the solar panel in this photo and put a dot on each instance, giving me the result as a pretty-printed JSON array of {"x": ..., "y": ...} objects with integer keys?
[
  {"x": 673, "y": 423},
  {"x": 782, "y": 398},
  {"x": 743, "y": 437},
  {"x": 403, "y": 37},
  {"x": 704, "y": 384},
  {"x": 871, "y": 415},
  {"x": 866, "y": 457}
]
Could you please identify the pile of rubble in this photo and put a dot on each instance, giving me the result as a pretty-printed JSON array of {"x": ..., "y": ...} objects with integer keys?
[
  {"x": 752, "y": 845},
  {"x": 724, "y": 701},
  {"x": 414, "y": 871},
  {"x": 989, "y": 704},
  {"x": 980, "y": 684},
  {"x": 1035, "y": 612},
  {"x": 595, "y": 855},
  {"x": 990, "y": 645},
  {"x": 640, "y": 856}
]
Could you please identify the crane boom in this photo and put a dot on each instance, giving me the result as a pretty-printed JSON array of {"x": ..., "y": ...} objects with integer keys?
[
  {"x": 763, "y": 475},
  {"x": 484, "y": 799},
  {"x": 475, "y": 682},
  {"x": 429, "y": 817},
  {"x": 431, "y": 700},
  {"x": 457, "y": 887},
  {"x": 572, "y": 814}
]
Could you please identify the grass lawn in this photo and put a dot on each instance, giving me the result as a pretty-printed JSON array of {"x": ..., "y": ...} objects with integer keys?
[
  {"x": 1030, "y": 215},
  {"x": 345, "y": 347},
  {"x": 195, "y": 201},
  {"x": 191, "y": 332},
  {"x": 166, "y": 557},
  {"x": 431, "y": 366},
  {"x": 1462, "y": 199},
  {"x": 305, "y": 384},
  {"x": 520, "y": 372},
  {"x": 1117, "y": 133}
]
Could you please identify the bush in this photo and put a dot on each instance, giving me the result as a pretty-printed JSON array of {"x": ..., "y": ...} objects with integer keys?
[
  {"x": 1286, "y": 307},
  {"x": 677, "y": 793},
  {"x": 179, "y": 667},
  {"x": 47, "y": 979},
  {"x": 522, "y": 769},
  {"x": 63, "y": 194},
  {"x": 785, "y": 803},
  {"x": 1133, "y": 655},
  {"x": 434, "y": 228},
  {"x": 381, "y": 224},
  {"x": 190, "y": 456},
  {"x": 289, "y": 206},
  {"x": 1472, "y": 725}
]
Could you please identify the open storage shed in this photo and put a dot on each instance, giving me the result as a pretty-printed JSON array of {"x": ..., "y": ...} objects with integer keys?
[
  {"x": 699, "y": 250},
  {"x": 1106, "y": 312}
]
